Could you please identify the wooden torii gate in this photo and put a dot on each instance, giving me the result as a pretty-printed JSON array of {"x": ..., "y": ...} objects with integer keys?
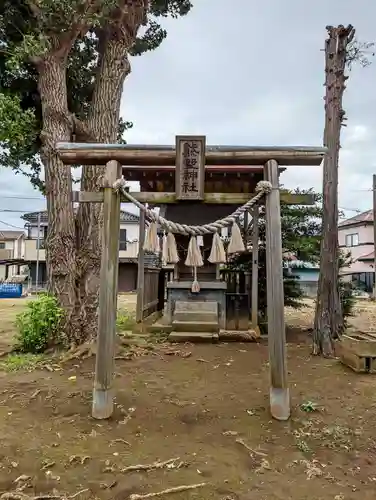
[{"x": 160, "y": 158}]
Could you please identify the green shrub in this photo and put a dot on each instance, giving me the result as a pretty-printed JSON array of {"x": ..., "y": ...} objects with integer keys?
[
  {"x": 346, "y": 289},
  {"x": 39, "y": 327},
  {"x": 347, "y": 298},
  {"x": 125, "y": 321}
]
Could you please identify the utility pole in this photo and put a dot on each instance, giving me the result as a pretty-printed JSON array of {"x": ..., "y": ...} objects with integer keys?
[
  {"x": 38, "y": 246},
  {"x": 374, "y": 236}
]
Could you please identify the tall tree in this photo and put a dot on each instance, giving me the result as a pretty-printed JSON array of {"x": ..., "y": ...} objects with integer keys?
[
  {"x": 67, "y": 60},
  {"x": 342, "y": 51},
  {"x": 328, "y": 316},
  {"x": 301, "y": 233},
  {"x": 115, "y": 44}
]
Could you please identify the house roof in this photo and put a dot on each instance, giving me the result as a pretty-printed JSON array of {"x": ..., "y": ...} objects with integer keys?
[
  {"x": 368, "y": 256},
  {"x": 363, "y": 218},
  {"x": 10, "y": 235},
  {"x": 32, "y": 217},
  {"x": 294, "y": 262}
]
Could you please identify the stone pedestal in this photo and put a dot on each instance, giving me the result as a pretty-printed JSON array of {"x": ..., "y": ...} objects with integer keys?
[{"x": 210, "y": 291}]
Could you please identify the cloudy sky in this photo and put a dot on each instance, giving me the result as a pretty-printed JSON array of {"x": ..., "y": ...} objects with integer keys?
[{"x": 250, "y": 75}]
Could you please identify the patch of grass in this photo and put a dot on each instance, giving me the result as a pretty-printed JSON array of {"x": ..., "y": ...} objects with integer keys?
[
  {"x": 314, "y": 432},
  {"x": 309, "y": 407},
  {"x": 8, "y": 312},
  {"x": 125, "y": 320},
  {"x": 338, "y": 436},
  {"x": 302, "y": 446},
  {"x": 19, "y": 362}
]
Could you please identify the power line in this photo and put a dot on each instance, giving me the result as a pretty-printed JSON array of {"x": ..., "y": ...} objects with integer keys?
[
  {"x": 21, "y": 198},
  {"x": 11, "y": 225},
  {"x": 352, "y": 209},
  {"x": 8, "y": 210}
]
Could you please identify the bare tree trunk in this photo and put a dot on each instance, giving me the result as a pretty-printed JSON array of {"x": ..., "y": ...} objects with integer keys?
[
  {"x": 61, "y": 230},
  {"x": 328, "y": 316},
  {"x": 103, "y": 121}
]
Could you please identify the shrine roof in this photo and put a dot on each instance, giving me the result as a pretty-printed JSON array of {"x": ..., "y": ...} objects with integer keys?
[
  {"x": 212, "y": 172},
  {"x": 165, "y": 156}
]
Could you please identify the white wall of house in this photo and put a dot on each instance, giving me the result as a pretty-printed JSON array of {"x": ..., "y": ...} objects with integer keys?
[
  {"x": 128, "y": 248},
  {"x": 6, "y": 249},
  {"x": 19, "y": 248},
  {"x": 132, "y": 231},
  {"x": 34, "y": 231},
  {"x": 13, "y": 249},
  {"x": 358, "y": 240},
  {"x": 31, "y": 252}
]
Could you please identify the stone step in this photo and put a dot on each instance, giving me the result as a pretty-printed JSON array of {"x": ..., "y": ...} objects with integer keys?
[
  {"x": 198, "y": 317},
  {"x": 195, "y": 326},
  {"x": 193, "y": 337},
  {"x": 158, "y": 328},
  {"x": 196, "y": 306}
]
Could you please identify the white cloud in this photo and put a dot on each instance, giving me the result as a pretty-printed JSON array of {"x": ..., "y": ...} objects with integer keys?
[{"x": 358, "y": 133}]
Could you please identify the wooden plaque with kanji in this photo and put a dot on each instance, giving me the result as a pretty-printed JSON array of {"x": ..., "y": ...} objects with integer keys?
[{"x": 190, "y": 167}]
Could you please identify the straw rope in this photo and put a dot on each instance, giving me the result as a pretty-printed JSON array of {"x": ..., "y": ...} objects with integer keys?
[{"x": 262, "y": 188}]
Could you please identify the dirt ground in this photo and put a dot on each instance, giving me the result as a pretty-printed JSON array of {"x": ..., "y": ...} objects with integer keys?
[{"x": 203, "y": 406}]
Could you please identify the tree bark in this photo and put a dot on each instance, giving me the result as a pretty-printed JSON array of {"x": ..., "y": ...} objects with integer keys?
[
  {"x": 328, "y": 324},
  {"x": 60, "y": 246},
  {"x": 113, "y": 67},
  {"x": 103, "y": 121}
]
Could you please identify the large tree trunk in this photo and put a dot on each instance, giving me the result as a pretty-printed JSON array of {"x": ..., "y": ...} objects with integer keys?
[
  {"x": 61, "y": 231},
  {"x": 103, "y": 121},
  {"x": 328, "y": 316}
]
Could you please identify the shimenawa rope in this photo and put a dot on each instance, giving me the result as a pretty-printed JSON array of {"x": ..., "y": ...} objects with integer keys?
[
  {"x": 262, "y": 188},
  {"x": 194, "y": 258}
]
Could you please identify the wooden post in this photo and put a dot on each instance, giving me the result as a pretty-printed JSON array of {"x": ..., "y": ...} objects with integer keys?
[
  {"x": 218, "y": 272},
  {"x": 255, "y": 268},
  {"x": 374, "y": 236},
  {"x": 245, "y": 225},
  {"x": 140, "y": 269},
  {"x": 279, "y": 391},
  {"x": 104, "y": 367}
]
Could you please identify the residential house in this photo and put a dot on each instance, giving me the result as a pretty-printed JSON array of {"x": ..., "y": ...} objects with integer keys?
[
  {"x": 355, "y": 235},
  {"x": 12, "y": 250},
  {"x": 35, "y": 252},
  {"x": 307, "y": 274}
]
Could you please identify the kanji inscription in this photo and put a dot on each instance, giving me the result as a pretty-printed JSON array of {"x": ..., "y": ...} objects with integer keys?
[{"x": 190, "y": 167}]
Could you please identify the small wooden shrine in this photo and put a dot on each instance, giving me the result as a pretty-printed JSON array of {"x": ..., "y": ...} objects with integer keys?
[{"x": 193, "y": 184}]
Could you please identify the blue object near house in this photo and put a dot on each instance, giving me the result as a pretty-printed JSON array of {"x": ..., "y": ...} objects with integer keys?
[
  {"x": 308, "y": 275},
  {"x": 10, "y": 290}
]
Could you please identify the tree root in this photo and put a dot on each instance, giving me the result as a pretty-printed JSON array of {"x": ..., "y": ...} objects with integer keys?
[
  {"x": 123, "y": 350},
  {"x": 18, "y": 495},
  {"x": 14, "y": 495},
  {"x": 83, "y": 351},
  {"x": 249, "y": 449},
  {"x": 176, "y": 489},
  {"x": 171, "y": 463},
  {"x": 153, "y": 466},
  {"x": 75, "y": 495},
  {"x": 258, "y": 457}
]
